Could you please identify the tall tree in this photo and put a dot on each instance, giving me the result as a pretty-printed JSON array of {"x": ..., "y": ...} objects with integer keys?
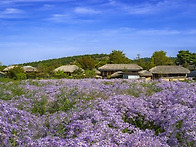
[
  {"x": 160, "y": 58},
  {"x": 118, "y": 57},
  {"x": 184, "y": 57},
  {"x": 86, "y": 62}
]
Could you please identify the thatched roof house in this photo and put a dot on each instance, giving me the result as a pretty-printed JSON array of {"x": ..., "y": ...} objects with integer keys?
[
  {"x": 67, "y": 68},
  {"x": 145, "y": 73},
  {"x": 8, "y": 68},
  {"x": 97, "y": 72},
  {"x": 26, "y": 68},
  {"x": 120, "y": 67},
  {"x": 29, "y": 69},
  {"x": 127, "y": 69},
  {"x": 169, "y": 71},
  {"x": 117, "y": 74}
]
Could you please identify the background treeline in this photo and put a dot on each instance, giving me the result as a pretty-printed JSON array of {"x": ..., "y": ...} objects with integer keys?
[{"x": 91, "y": 62}]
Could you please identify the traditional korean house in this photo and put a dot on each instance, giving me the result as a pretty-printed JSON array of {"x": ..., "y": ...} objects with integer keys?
[
  {"x": 145, "y": 74},
  {"x": 29, "y": 69},
  {"x": 169, "y": 72},
  {"x": 8, "y": 68},
  {"x": 69, "y": 69},
  {"x": 126, "y": 71}
]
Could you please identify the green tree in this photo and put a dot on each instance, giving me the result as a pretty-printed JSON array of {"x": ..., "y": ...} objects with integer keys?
[
  {"x": 86, "y": 62},
  {"x": 184, "y": 57},
  {"x": 90, "y": 73},
  {"x": 118, "y": 57},
  {"x": 160, "y": 58},
  {"x": 102, "y": 62},
  {"x": 140, "y": 61},
  {"x": 17, "y": 73}
]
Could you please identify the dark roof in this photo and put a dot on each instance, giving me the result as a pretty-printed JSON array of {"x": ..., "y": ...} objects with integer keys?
[
  {"x": 170, "y": 69},
  {"x": 120, "y": 67},
  {"x": 192, "y": 74},
  {"x": 145, "y": 73}
]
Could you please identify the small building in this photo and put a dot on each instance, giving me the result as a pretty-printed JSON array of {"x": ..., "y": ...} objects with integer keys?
[
  {"x": 98, "y": 74},
  {"x": 8, "y": 68},
  {"x": 192, "y": 74},
  {"x": 29, "y": 69},
  {"x": 69, "y": 69},
  {"x": 118, "y": 74},
  {"x": 145, "y": 74},
  {"x": 169, "y": 72},
  {"x": 130, "y": 71}
]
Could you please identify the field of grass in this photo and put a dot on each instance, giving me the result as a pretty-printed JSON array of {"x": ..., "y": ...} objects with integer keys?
[{"x": 92, "y": 112}]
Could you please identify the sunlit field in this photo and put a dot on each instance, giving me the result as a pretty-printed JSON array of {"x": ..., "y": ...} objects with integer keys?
[{"x": 92, "y": 112}]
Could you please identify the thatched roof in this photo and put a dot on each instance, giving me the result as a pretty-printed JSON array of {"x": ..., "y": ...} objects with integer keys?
[
  {"x": 1, "y": 73},
  {"x": 192, "y": 74},
  {"x": 120, "y": 67},
  {"x": 29, "y": 69},
  {"x": 145, "y": 73},
  {"x": 98, "y": 77},
  {"x": 97, "y": 72},
  {"x": 67, "y": 68},
  {"x": 117, "y": 74},
  {"x": 170, "y": 69},
  {"x": 8, "y": 68}
]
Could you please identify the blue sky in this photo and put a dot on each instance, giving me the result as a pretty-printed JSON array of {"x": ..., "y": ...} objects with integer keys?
[{"x": 33, "y": 30}]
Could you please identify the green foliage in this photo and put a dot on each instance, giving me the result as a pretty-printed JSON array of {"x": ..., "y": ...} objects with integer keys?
[
  {"x": 60, "y": 75},
  {"x": 39, "y": 106},
  {"x": 101, "y": 62},
  {"x": 17, "y": 73},
  {"x": 78, "y": 74},
  {"x": 160, "y": 58},
  {"x": 31, "y": 75},
  {"x": 90, "y": 73},
  {"x": 86, "y": 62},
  {"x": 143, "y": 62},
  {"x": 140, "y": 122},
  {"x": 63, "y": 103},
  {"x": 118, "y": 57},
  {"x": 10, "y": 88},
  {"x": 64, "y": 61},
  {"x": 184, "y": 57}
]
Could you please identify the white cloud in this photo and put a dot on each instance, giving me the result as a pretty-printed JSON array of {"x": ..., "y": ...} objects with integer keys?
[
  {"x": 59, "y": 18},
  {"x": 68, "y": 19},
  {"x": 83, "y": 10},
  {"x": 146, "y": 7},
  {"x": 159, "y": 32},
  {"x": 12, "y": 11}
]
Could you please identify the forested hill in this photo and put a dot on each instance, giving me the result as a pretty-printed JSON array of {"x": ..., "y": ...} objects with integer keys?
[{"x": 65, "y": 60}]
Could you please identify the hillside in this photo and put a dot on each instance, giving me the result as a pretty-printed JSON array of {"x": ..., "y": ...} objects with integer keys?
[{"x": 65, "y": 60}]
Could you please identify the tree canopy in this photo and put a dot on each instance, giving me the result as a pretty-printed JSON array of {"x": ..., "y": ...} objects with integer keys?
[
  {"x": 184, "y": 57},
  {"x": 86, "y": 62},
  {"x": 160, "y": 58},
  {"x": 118, "y": 57}
]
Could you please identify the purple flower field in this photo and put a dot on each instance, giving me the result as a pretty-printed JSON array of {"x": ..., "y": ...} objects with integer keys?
[{"x": 90, "y": 112}]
